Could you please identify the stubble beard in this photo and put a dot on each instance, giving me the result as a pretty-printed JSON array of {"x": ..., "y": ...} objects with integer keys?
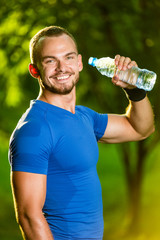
[{"x": 63, "y": 89}]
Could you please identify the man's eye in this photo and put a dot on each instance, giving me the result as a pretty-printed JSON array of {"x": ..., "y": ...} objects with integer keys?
[
  {"x": 50, "y": 61},
  {"x": 70, "y": 57}
]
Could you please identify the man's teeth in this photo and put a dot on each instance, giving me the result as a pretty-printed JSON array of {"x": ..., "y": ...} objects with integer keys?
[{"x": 63, "y": 77}]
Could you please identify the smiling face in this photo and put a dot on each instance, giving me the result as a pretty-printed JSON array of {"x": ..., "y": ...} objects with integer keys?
[{"x": 59, "y": 64}]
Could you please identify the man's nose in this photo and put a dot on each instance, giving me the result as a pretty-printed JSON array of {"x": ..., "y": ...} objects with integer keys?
[{"x": 60, "y": 66}]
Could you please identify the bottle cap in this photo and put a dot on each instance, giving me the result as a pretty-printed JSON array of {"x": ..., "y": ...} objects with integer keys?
[{"x": 92, "y": 61}]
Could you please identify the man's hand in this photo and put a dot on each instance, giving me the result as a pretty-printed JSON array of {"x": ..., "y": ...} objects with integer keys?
[
  {"x": 123, "y": 63},
  {"x": 138, "y": 121}
]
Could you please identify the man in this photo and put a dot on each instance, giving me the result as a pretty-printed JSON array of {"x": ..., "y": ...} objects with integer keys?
[{"x": 53, "y": 150}]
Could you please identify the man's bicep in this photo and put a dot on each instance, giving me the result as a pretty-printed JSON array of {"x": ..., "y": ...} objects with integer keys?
[
  {"x": 119, "y": 130},
  {"x": 29, "y": 190}
]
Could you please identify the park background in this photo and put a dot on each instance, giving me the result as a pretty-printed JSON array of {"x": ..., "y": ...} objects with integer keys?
[{"x": 129, "y": 172}]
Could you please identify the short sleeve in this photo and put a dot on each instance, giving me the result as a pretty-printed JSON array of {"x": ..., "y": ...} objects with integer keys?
[
  {"x": 100, "y": 122},
  {"x": 30, "y": 147}
]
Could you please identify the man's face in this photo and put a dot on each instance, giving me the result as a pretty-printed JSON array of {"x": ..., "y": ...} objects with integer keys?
[{"x": 59, "y": 64}]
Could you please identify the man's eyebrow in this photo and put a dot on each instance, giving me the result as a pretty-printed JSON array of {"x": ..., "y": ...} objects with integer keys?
[
  {"x": 70, "y": 53},
  {"x": 43, "y": 58}
]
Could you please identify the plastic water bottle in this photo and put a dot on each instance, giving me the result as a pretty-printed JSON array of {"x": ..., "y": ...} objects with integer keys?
[{"x": 141, "y": 78}]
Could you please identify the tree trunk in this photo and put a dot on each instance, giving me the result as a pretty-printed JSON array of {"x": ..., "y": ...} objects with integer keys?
[{"x": 134, "y": 179}]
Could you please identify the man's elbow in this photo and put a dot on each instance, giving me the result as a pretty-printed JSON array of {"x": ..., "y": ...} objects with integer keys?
[
  {"x": 153, "y": 130},
  {"x": 22, "y": 218},
  {"x": 25, "y": 218},
  {"x": 148, "y": 133}
]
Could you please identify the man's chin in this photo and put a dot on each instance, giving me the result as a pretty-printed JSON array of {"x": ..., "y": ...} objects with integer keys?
[{"x": 60, "y": 91}]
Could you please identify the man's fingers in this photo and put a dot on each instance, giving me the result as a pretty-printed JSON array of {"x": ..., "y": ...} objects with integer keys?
[
  {"x": 115, "y": 80},
  {"x": 117, "y": 57},
  {"x": 132, "y": 64},
  {"x": 124, "y": 63},
  {"x": 121, "y": 62}
]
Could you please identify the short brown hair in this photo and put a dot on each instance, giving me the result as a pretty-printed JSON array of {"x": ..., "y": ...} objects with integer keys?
[{"x": 46, "y": 32}]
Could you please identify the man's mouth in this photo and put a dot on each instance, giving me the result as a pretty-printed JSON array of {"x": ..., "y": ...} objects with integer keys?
[{"x": 63, "y": 77}]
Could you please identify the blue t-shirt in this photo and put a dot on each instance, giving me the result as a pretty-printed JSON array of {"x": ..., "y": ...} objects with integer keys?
[{"x": 53, "y": 141}]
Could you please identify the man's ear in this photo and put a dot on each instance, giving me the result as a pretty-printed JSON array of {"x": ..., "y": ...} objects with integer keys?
[
  {"x": 80, "y": 63},
  {"x": 34, "y": 71}
]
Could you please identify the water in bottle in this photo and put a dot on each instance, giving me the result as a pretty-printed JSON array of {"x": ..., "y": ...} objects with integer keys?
[{"x": 141, "y": 78}]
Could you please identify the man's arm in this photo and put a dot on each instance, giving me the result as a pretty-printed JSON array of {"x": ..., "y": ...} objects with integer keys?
[
  {"x": 138, "y": 121},
  {"x": 29, "y": 192}
]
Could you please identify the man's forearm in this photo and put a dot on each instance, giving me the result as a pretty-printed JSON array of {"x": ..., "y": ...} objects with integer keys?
[
  {"x": 35, "y": 228},
  {"x": 141, "y": 117}
]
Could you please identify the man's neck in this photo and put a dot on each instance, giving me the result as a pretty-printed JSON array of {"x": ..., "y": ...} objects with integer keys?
[{"x": 66, "y": 101}]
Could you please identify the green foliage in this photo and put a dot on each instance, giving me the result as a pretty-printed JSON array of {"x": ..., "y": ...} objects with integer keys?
[{"x": 102, "y": 28}]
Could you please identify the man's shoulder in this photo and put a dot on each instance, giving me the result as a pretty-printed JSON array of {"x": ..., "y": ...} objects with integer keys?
[
  {"x": 86, "y": 111},
  {"x": 32, "y": 122}
]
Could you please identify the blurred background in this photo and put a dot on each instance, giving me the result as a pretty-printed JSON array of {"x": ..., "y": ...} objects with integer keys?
[{"x": 129, "y": 172}]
